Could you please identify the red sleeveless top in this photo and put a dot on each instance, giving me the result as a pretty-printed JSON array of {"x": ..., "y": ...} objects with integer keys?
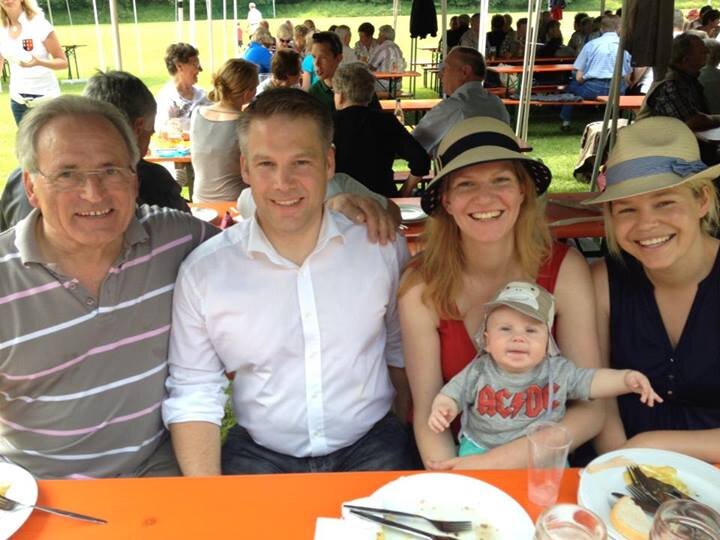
[{"x": 456, "y": 347}]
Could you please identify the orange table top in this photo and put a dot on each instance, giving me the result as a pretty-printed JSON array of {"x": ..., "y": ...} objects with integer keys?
[
  {"x": 521, "y": 60},
  {"x": 626, "y": 102},
  {"x": 262, "y": 506},
  {"x": 395, "y": 74},
  {"x": 542, "y": 68}
]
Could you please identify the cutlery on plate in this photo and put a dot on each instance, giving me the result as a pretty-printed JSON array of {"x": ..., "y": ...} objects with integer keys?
[
  {"x": 659, "y": 489},
  {"x": 441, "y": 525},
  {"x": 10, "y": 505},
  {"x": 648, "y": 505},
  {"x": 400, "y": 527}
]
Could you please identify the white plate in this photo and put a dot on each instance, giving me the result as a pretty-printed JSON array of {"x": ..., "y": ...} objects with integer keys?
[
  {"x": 410, "y": 213},
  {"x": 453, "y": 496},
  {"x": 23, "y": 488},
  {"x": 702, "y": 479},
  {"x": 206, "y": 214}
]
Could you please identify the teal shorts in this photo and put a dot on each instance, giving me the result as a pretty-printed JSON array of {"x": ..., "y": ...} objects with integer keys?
[{"x": 469, "y": 448}]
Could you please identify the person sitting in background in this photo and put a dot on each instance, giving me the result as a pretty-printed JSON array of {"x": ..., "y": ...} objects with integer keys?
[
  {"x": 300, "y": 34},
  {"x": 285, "y": 71},
  {"x": 710, "y": 23},
  {"x": 368, "y": 141},
  {"x": 509, "y": 32},
  {"x": 462, "y": 79},
  {"x": 343, "y": 32},
  {"x": 454, "y": 34},
  {"x": 215, "y": 152},
  {"x": 554, "y": 43},
  {"x": 710, "y": 76},
  {"x": 134, "y": 99},
  {"x": 309, "y": 77},
  {"x": 594, "y": 67},
  {"x": 516, "y": 47},
  {"x": 366, "y": 44},
  {"x": 680, "y": 95},
  {"x": 327, "y": 54},
  {"x": 180, "y": 97},
  {"x": 495, "y": 38},
  {"x": 284, "y": 37},
  {"x": 258, "y": 52},
  {"x": 545, "y": 18},
  {"x": 310, "y": 25},
  {"x": 471, "y": 35},
  {"x": 582, "y": 29},
  {"x": 387, "y": 56}
]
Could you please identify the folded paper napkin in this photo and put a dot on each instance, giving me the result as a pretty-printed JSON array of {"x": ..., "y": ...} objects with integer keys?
[{"x": 349, "y": 527}]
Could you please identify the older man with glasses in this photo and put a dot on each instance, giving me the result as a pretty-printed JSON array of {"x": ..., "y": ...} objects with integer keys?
[{"x": 86, "y": 283}]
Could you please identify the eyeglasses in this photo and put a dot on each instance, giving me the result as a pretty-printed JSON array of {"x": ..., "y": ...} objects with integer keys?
[
  {"x": 286, "y": 41},
  {"x": 74, "y": 179}
]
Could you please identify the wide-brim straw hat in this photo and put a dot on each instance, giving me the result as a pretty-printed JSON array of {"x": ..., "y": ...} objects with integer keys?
[
  {"x": 650, "y": 155},
  {"x": 480, "y": 139}
]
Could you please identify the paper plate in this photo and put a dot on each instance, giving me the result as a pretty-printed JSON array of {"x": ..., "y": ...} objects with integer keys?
[
  {"x": 495, "y": 515},
  {"x": 702, "y": 479},
  {"x": 410, "y": 213},
  {"x": 206, "y": 214},
  {"x": 23, "y": 488}
]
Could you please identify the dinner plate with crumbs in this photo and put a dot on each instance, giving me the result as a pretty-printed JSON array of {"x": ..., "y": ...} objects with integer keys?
[
  {"x": 494, "y": 514},
  {"x": 604, "y": 475},
  {"x": 411, "y": 213},
  {"x": 18, "y": 484},
  {"x": 206, "y": 214}
]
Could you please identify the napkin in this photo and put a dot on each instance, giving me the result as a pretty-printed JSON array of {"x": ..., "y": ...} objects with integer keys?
[{"x": 350, "y": 526}]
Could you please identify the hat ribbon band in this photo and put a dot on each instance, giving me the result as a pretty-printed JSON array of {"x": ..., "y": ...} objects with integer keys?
[
  {"x": 650, "y": 166},
  {"x": 469, "y": 142}
]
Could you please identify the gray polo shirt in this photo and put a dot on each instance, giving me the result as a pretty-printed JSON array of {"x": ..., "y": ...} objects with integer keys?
[
  {"x": 82, "y": 379},
  {"x": 497, "y": 406}
]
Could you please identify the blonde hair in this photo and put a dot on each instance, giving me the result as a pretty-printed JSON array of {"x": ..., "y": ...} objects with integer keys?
[
  {"x": 701, "y": 187},
  {"x": 30, "y": 8},
  {"x": 441, "y": 265},
  {"x": 233, "y": 78}
]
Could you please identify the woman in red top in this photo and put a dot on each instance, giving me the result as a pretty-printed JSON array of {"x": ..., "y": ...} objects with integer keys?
[{"x": 487, "y": 228}]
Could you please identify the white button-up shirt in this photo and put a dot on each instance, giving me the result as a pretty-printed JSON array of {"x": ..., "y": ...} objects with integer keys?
[{"x": 309, "y": 344}]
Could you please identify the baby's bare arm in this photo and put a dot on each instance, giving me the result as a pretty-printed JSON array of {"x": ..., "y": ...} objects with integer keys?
[{"x": 443, "y": 412}]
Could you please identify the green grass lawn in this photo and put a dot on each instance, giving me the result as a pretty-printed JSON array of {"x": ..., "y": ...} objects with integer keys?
[{"x": 144, "y": 57}]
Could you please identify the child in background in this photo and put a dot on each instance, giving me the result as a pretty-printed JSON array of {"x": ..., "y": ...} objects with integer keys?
[{"x": 520, "y": 377}]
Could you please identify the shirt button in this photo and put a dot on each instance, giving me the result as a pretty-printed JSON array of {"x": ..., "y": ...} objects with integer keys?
[
  {"x": 671, "y": 377},
  {"x": 89, "y": 301},
  {"x": 672, "y": 359},
  {"x": 669, "y": 392},
  {"x": 72, "y": 286}
]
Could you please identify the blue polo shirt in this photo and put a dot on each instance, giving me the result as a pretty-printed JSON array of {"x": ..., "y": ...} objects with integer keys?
[
  {"x": 260, "y": 56},
  {"x": 597, "y": 58}
]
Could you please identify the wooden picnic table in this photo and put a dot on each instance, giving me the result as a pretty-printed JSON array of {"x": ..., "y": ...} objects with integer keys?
[
  {"x": 394, "y": 78},
  {"x": 520, "y": 60},
  {"x": 542, "y": 68},
  {"x": 71, "y": 55},
  {"x": 246, "y": 506},
  {"x": 633, "y": 103}
]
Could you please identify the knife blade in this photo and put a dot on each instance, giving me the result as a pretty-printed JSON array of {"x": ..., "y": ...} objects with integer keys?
[{"x": 401, "y": 527}]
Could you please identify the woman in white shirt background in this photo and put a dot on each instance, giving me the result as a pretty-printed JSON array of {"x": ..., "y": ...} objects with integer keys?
[{"x": 29, "y": 43}]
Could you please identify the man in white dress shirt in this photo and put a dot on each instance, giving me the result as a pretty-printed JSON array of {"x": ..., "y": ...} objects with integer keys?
[{"x": 301, "y": 307}]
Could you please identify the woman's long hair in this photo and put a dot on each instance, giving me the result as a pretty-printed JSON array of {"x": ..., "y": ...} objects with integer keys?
[
  {"x": 441, "y": 264},
  {"x": 30, "y": 8},
  {"x": 233, "y": 78}
]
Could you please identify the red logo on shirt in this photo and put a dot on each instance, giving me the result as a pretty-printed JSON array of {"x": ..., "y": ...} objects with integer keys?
[
  {"x": 533, "y": 401},
  {"x": 27, "y": 45}
]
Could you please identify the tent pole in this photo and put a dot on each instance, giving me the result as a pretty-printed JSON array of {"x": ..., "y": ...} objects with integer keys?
[
  {"x": 224, "y": 32},
  {"x": 115, "y": 34},
  {"x": 482, "y": 36},
  {"x": 444, "y": 9},
  {"x": 611, "y": 108},
  {"x": 211, "y": 50},
  {"x": 98, "y": 39},
  {"x": 179, "y": 19},
  {"x": 396, "y": 7},
  {"x": 50, "y": 15},
  {"x": 67, "y": 5},
  {"x": 524, "y": 81},
  {"x": 191, "y": 19},
  {"x": 138, "y": 42}
]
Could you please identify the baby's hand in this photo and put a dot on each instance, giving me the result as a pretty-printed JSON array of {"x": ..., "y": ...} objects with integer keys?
[
  {"x": 444, "y": 411},
  {"x": 639, "y": 383}
]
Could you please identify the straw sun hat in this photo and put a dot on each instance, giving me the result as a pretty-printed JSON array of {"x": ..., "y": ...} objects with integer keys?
[
  {"x": 651, "y": 155},
  {"x": 480, "y": 139}
]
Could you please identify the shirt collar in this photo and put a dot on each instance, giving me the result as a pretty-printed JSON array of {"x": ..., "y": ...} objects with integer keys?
[
  {"x": 29, "y": 248},
  {"x": 258, "y": 243}
]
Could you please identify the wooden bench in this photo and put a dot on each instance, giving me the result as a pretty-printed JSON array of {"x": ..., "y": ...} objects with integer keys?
[{"x": 583, "y": 103}]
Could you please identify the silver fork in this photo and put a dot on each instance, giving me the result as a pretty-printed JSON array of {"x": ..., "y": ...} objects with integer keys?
[
  {"x": 10, "y": 505},
  {"x": 660, "y": 489},
  {"x": 647, "y": 501},
  {"x": 439, "y": 524},
  {"x": 401, "y": 527}
]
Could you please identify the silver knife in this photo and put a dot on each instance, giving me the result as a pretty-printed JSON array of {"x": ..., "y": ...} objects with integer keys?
[
  {"x": 401, "y": 527},
  {"x": 10, "y": 505}
]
